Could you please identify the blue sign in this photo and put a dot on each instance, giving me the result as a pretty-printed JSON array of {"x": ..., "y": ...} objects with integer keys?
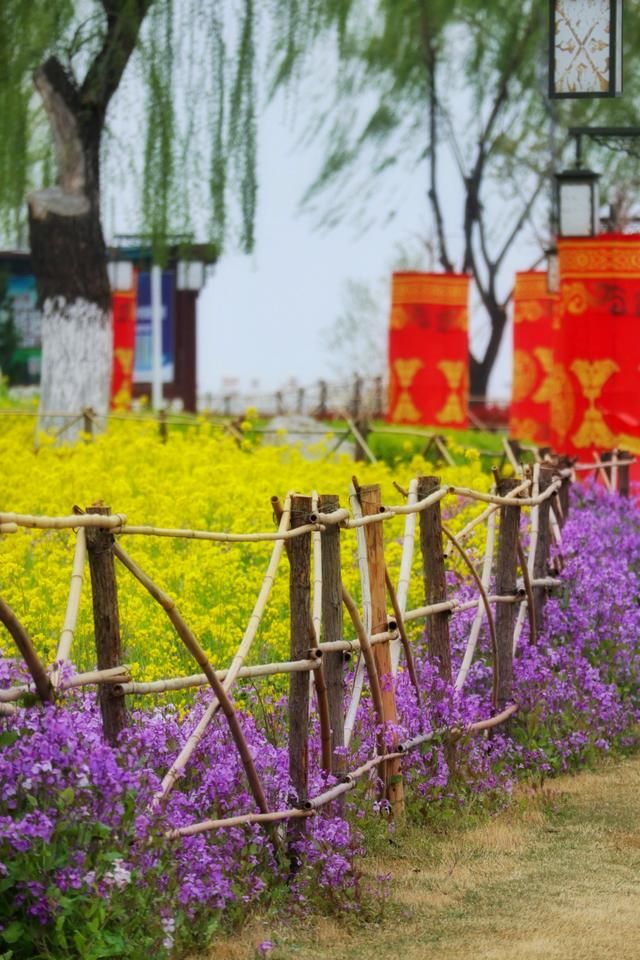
[{"x": 143, "y": 363}]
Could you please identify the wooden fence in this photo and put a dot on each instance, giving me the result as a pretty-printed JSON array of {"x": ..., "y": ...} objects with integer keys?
[{"x": 309, "y": 530}]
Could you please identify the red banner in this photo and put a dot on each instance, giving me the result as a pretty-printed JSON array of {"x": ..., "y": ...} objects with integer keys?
[
  {"x": 535, "y": 322},
  {"x": 123, "y": 308},
  {"x": 598, "y": 348},
  {"x": 428, "y": 349}
]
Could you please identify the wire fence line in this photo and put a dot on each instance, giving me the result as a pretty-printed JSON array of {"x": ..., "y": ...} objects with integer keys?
[{"x": 312, "y": 525}]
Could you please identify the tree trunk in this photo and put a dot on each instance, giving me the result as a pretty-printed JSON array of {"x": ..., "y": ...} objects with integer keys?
[
  {"x": 76, "y": 317},
  {"x": 480, "y": 370},
  {"x": 69, "y": 261}
]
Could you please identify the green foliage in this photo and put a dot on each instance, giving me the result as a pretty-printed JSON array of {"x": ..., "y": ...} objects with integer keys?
[
  {"x": 485, "y": 58},
  {"x": 188, "y": 93},
  {"x": 89, "y": 924}
]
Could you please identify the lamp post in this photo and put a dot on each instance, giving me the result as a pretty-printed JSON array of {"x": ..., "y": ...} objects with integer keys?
[{"x": 553, "y": 270}]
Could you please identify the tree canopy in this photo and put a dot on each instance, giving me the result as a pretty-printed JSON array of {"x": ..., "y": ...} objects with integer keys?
[
  {"x": 175, "y": 85},
  {"x": 435, "y": 83}
]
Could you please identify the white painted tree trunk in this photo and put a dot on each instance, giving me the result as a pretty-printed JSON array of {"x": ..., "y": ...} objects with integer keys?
[{"x": 77, "y": 346}]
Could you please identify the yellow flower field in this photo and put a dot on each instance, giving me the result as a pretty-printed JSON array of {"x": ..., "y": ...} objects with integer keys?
[{"x": 200, "y": 479}]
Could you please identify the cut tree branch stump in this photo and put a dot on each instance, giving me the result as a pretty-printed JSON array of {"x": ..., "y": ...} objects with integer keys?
[
  {"x": 333, "y": 662},
  {"x": 106, "y": 621},
  {"x": 435, "y": 581},
  {"x": 506, "y": 585},
  {"x": 299, "y": 551},
  {"x": 371, "y": 501}
]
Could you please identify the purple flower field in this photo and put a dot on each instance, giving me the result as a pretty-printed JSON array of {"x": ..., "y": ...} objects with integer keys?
[{"x": 85, "y": 868}]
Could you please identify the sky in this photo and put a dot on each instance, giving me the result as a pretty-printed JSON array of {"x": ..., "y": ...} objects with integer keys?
[{"x": 262, "y": 319}]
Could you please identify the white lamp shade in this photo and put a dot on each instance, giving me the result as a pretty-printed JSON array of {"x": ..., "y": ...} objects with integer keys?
[
  {"x": 190, "y": 275},
  {"x": 120, "y": 274},
  {"x": 578, "y": 204}
]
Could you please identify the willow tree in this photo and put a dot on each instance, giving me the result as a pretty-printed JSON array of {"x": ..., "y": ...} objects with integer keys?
[
  {"x": 459, "y": 84},
  {"x": 191, "y": 68}
]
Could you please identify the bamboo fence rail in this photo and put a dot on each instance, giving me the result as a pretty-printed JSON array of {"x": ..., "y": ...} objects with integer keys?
[{"x": 367, "y": 645}]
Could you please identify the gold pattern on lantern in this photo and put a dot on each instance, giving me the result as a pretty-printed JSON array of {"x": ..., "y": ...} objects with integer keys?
[
  {"x": 405, "y": 370},
  {"x": 592, "y": 376},
  {"x": 575, "y": 297},
  {"x": 398, "y": 317},
  {"x": 452, "y": 411},
  {"x": 527, "y": 311},
  {"x": 525, "y": 374},
  {"x": 557, "y": 391},
  {"x": 524, "y": 429},
  {"x": 124, "y": 357}
]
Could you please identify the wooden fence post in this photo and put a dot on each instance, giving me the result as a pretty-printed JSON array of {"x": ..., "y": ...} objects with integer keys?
[
  {"x": 106, "y": 622},
  {"x": 333, "y": 663},
  {"x": 435, "y": 581},
  {"x": 540, "y": 561},
  {"x": 563, "y": 464},
  {"x": 87, "y": 422},
  {"x": 322, "y": 399},
  {"x": 162, "y": 425},
  {"x": 378, "y": 399},
  {"x": 299, "y": 550},
  {"x": 362, "y": 426},
  {"x": 623, "y": 474},
  {"x": 356, "y": 399},
  {"x": 506, "y": 583},
  {"x": 371, "y": 503}
]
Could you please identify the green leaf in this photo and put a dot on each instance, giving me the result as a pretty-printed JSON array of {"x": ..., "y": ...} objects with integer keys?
[
  {"x": 13, "y": 932},
  {"x": 67, "y": 796},
  {"x": 8, "y": 738}
]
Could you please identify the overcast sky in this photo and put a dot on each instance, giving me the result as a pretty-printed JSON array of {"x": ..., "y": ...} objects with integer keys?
[{"x": 261, "y": 318}]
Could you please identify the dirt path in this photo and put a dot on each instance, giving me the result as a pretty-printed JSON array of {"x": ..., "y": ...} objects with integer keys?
[{"x": 555, "y": 877}]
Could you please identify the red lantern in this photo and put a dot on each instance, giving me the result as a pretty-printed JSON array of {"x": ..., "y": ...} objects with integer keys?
[{"x": 428, "y": 349}]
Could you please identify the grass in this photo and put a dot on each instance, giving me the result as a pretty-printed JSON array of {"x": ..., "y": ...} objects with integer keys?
[{"x": 554, "y": 876}]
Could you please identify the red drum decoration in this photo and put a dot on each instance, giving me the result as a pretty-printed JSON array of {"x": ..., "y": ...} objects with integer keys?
[
  {"x": 595, "y": 392},
  {"x": 535, "y": 323},
  {"x": 428, "y": 349},
  {"x": 123, "y": 307}
]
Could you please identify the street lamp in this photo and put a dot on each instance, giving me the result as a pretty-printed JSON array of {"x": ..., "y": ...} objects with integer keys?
[
  {"x": 120, "y": 275},
  {"x": 585, "y": 49},
  {"x": 577, "y": 203},
  {"x": 190, "y": 275}
]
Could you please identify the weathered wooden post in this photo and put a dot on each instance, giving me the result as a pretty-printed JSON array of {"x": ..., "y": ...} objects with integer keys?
[
  {"x": 564, "y": 463},
  {"x": 356, "y": 398},
  {"x": 106, "y": 621},
  {"x": 371, "y": 504},
  {"x": 299, "y": 550},
  {"x": 623, "y": 473},
  {"x": 506, "y": 584},
  {"x": 87, "y": 423},
  {"x": 322, "y": 400},
  {"x": 435, "y": 580},
  {"x": 362, "y": 426},
  {"x": 162, "y": 425},
  {"x": 540, "y": 561},
  {"x": 378, "y": 398},
  {"x": 333, "y": 662}
]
